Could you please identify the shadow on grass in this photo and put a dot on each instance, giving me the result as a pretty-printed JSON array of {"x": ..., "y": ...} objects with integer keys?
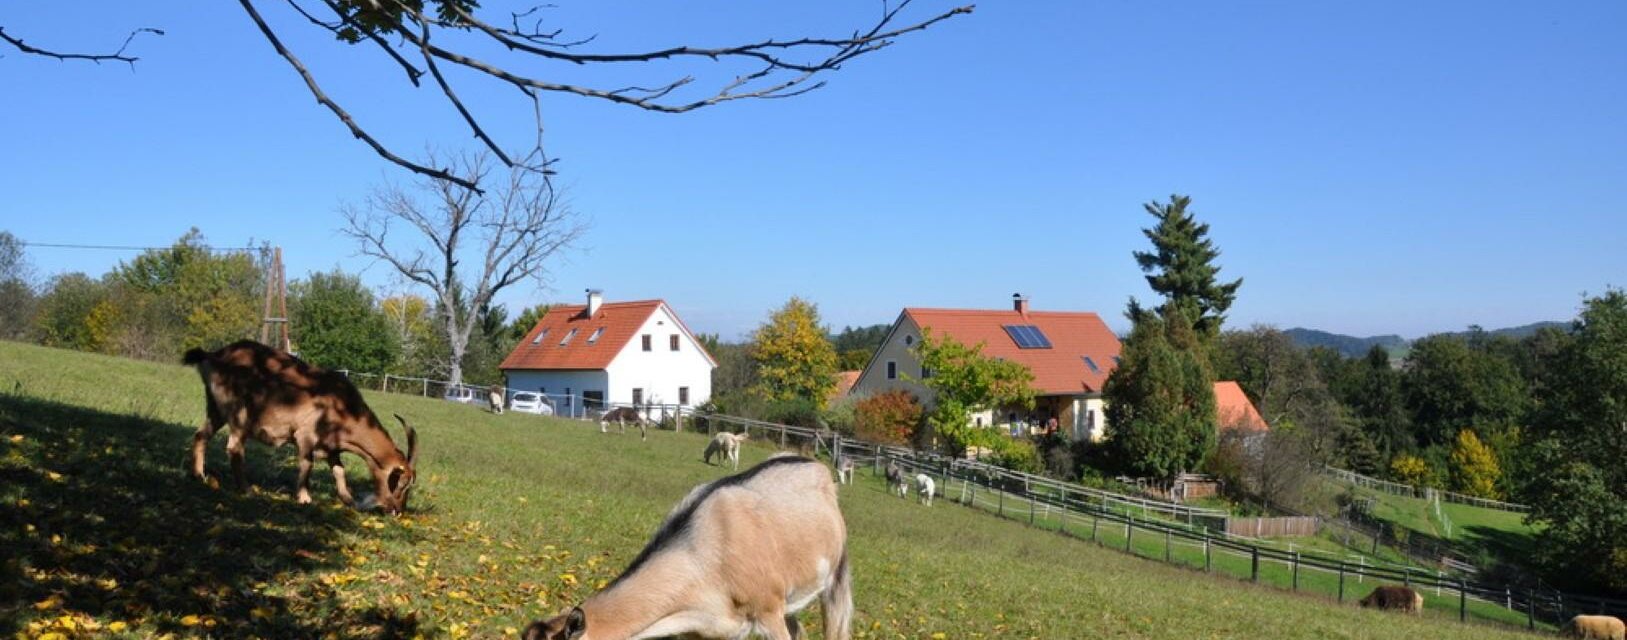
[{"x": 98, "y": 518}]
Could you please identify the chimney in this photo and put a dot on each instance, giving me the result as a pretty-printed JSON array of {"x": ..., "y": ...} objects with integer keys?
[
  {"x": 595, "y": 299},
  {"x": 1019, "y": 303}
]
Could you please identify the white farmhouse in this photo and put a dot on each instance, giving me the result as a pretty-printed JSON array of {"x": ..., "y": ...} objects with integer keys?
[{"x": 617, "y": 353}]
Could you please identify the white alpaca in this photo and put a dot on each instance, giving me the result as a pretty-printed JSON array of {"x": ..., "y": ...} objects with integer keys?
[
  {"x": 844, "y": 470},
  {"x": 927, "y": 487}
]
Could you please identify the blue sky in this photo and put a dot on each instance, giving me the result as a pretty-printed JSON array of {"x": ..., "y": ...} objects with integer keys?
[{"x": 1374, "y": 167}]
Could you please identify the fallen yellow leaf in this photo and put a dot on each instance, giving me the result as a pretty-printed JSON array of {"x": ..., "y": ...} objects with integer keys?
[
  {"x": 117, "y": 626},
  {"x": 17, "y": 439},
  {"x": 190, "y": 621},
  {"x": 49, "y": 603}
]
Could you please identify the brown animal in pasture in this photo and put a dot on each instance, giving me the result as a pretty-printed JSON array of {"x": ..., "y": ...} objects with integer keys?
[
  {"x": 737, "y": 556},
  {"x": 1595, "y": 628},
  {"x": 276, "y": 398},
  {"x": 622, "y": 416},
  {"x": 1394, "y": 598}
]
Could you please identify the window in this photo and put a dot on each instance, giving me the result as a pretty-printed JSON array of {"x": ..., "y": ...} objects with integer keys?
[
  {"x": 1027, "y": 336},
  {"x": 567, "y": 339},
  {"x": 540, "y": 335},
  {"x": 646, "y": 338},
  {"x": 542, "y": 390},
  {"x": 568, "y": 400},
  {"x": 593, "y": 399},
  {"x": 596, "y": 333},
  {"x": 909, "y": 340},
  {"x": 892, "y": 370},
  {"x": 925, "y": 372},
  {"x": 1091, "y": 364},
  {"x": 673, "y": 341},
  {"x": 638, "y": 396},
  {"x": 978, "y": 421},
  {"x": 683, "y": 396}
]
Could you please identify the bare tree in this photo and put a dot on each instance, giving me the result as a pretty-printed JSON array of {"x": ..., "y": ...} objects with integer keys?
[
  {"x": 433, "y": 36},
  {"x": 511, "y": 230}
]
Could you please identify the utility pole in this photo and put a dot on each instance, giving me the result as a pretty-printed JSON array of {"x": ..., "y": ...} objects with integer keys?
[{"x": 276, "y": 294}]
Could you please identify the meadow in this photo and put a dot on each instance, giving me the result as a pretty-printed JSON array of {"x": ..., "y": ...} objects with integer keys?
[{"x": 515, "y": 517}]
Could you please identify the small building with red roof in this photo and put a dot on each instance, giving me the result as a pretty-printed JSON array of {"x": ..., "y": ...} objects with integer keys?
[
  {"x": 1234, "y": 410},
  {"x": 616, "y": 353}
]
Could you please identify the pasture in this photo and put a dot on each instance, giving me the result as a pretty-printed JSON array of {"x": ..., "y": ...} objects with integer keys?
[{"x": 514, "y": 517}]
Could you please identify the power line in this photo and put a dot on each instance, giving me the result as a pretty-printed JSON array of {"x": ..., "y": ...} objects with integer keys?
[{"x": 108, "y": 247}]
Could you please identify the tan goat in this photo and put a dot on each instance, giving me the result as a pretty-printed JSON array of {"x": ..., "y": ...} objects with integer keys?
[
  {"x": 1595, "y": 628},
  {"x": 276, "y": 398},
  {"x": 738, "y": 556}
]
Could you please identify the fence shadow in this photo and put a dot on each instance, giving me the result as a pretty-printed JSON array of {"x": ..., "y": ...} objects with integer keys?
[{"x": 98, "y": 517}]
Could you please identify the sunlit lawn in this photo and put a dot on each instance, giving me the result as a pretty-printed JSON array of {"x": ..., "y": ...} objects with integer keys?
[{"x": 515, "y": 517}]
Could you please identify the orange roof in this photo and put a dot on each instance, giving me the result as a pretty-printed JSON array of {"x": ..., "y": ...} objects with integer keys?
[
  {"x": 1059, "y": 370},
  {"x": 618, "y": 320},
  {"x": 844, "y": 383},
  {"x": 1234, "y": 409}
]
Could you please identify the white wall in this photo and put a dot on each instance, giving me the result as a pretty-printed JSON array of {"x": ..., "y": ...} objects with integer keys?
[
  {"x": 660, "y": 371},
  {"x": 897, "y": 349}
]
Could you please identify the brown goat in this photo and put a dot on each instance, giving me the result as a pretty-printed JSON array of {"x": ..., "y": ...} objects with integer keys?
[
  {"x": 277, "y": 398},
  {"x": 1394, "y": 598},
  {"x": 1595, "y": 628}
]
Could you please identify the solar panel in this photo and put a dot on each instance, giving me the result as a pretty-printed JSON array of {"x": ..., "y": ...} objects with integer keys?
[{"x": 1027, "y": 336}]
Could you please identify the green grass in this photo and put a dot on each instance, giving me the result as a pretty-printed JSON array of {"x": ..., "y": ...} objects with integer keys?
[
  {"x": 517, "y": 517},
  {"x": 1481, "y": 534}
]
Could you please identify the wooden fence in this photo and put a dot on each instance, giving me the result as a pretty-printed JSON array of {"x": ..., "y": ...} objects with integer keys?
[{"x": 1273, "y": 527}]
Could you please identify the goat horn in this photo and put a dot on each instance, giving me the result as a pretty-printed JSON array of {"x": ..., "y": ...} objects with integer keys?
[{"x": 412, "y": 441}]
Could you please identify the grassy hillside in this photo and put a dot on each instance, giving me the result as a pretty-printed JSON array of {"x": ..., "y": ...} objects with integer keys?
[{"x": 515, "y": 517}]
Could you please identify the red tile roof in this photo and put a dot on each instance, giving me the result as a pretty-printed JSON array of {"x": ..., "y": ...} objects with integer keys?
[
  {"x": 1059, "y": 370},
  {"x": 1234, "y": 409},
  {"x": 844, "y": 384},
  {"x": 619, "y": 320}
]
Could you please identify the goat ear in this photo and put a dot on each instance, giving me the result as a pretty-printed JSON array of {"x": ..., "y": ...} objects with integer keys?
[{"x": 576, "y": 624}]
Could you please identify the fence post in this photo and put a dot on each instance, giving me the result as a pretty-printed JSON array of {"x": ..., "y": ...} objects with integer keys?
[
  {"x": 1207, "y": 566},
  {"x": 1129, "y": 531},
  {"x": 782, "y": 438},
  {"x": 1406, "y": 576},
  {"x": 1463, "y": 600},
  {"x": 1254, "y": 562},
  {"x": 1002, "y": 502},
  {"x": 1166, "y": 545},
  {"x": 1295, "y": 585},
  {"x": 1030, "y": 509},
  {"x": 1094, "y": 522},
  {"x": 386, "y": 387},
  {"x": 426, "y": 387},
  {"x": 1341, "y": 581},
  {"x": 1530, "y": 610},
  {"x": 972, "y": 502}
]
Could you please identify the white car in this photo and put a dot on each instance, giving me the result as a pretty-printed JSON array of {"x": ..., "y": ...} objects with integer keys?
[
  {"x": 461, "y": 395},
  {"x": 528, "y": 402}
]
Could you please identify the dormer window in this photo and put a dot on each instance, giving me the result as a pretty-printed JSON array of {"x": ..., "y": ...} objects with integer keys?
[
  {"x": 540, "y": 335},
  {"x": 595, "y": 337},
  {"x": 567, "y": 339}
]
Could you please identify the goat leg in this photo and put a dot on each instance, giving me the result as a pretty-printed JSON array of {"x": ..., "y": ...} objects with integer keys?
[
  {"x": 302, "y": 491},
  {"x": 776, "y": 626},
  {"x": 200, "y": 446},
  {"x": 339, "y": 485},
  {"x": 792, "y": 627},
  {"x": 234, "y": 451}
]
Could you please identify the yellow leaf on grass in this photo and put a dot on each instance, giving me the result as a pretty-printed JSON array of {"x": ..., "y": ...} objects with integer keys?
[
  {"x": 190, "y": 620},
  {"x": 49, "y": 603},
  {"x": 52, "y": 636},
  {"x": 260, "y": 613},
  {"x": 22, "y": 502},
  {"x": 54, "y": 476},
  {"x": 215, "y": 530},
  {"x": 568, "y": 578},
  {"x": 17, "y": 439},
  {"x": 117, "y": 626}
]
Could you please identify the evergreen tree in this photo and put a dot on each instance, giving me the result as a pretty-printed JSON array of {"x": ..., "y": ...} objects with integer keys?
[
  {"x": 795, "y": 360},
  {"x": 1182, "y": 268},
  {"x": 1161, "y": 417}
]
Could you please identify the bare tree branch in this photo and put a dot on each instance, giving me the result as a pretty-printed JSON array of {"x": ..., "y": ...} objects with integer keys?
[{"x": 97, "y": 58}]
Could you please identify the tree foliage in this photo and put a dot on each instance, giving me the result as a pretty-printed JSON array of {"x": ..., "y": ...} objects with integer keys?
[
  {"x": 794, "y": 357},
  {"x": 1181, "y": 267},
  {"x": 964, "y": 381},
  {"x": 1475, "y": 470},
  {"x": 17, "y": 297},
  {"x": 1161, "y": 417},
  {"x": 338, "y": 326},
  {"x": 889, "y": 417},
  {"x": 1580, "y": 443},
  {"x": 1412, "y": 470},
  {"x": 1451, "y": 386}
]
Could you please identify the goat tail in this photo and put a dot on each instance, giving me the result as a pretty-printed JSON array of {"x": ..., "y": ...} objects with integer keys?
[
  {"x": 837, "y": 602},
  {"x": 194, "y": 356}
]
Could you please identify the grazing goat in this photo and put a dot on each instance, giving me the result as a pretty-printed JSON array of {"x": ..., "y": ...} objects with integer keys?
[
  {"x": 844, "y": 470},
  {"x": 1393, "y": 598},
  {"x": 927, "y": 488},
  {"x": 276, "y": 398},
  {"x": 896, "y": 480},
  {"x": 1595, "y": 628},
  {"x": 622, "y": 416},
  {"x": 726, "y": 446},
  {"x": 737, "y": 556}
]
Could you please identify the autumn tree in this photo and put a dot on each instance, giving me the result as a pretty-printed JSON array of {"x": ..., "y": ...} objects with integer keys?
[
  {"x": 1474, "y": 468},
  {"x": 964, "y": 381},
  {"x": 337, "y": 324},
  {"x": 1181, "y": 267},
  {"x": 63, "y": 315},
  {"x": 466, "y": 245},
  {"x": 889, "y": 417},
  {"x": 795, "y": 360},
  {"x": 456, "y": 46}
]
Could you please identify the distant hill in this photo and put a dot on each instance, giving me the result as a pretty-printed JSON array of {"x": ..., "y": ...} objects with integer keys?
[
  {"x": 1350, "y": 346},
  {"x": 1354, "y": 347}
]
